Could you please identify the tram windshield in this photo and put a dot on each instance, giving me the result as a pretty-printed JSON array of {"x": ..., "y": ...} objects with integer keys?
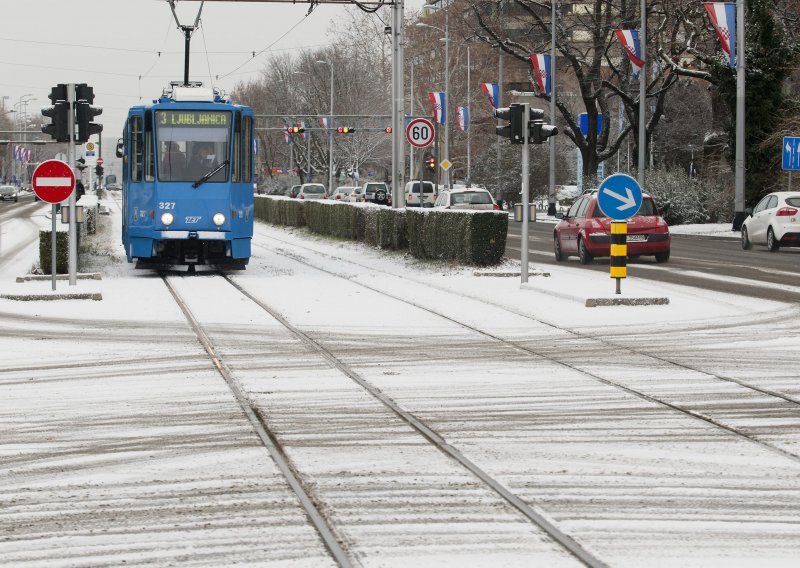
[{"x": 192, "y": 143}]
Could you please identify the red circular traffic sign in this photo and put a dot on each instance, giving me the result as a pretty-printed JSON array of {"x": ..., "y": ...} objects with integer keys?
[
  {"x": 100, "y": 161},
  {"x": 419, "y": 132},
  {"x": 53, "y": 181}
]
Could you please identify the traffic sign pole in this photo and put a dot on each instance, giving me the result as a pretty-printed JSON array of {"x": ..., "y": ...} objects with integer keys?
[{"x": 73, "y": 235}]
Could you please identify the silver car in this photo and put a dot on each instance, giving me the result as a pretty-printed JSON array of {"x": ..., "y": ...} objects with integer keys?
[
  {"x": 9, "y": 193},
  {"x": 312, "y": 191}
]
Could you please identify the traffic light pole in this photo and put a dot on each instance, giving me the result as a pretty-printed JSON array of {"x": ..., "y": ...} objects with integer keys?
[
  {"x": 73, "y": 234},
  {"x": 526, "y": 212}
]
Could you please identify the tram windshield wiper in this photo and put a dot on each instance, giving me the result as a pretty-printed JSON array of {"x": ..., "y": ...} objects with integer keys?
[{"x": 209, "y": 175}]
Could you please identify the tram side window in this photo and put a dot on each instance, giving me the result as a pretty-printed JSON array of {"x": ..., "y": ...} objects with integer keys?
[
  {"x": 237, "y": 148},
  {"x": 247, "y": 149},
  {"x": 137, "y": 144},
  {"x": 149, "y": 150}
]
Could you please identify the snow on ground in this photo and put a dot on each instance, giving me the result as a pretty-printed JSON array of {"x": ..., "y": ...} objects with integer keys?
[{"x": 119, "y": 443}]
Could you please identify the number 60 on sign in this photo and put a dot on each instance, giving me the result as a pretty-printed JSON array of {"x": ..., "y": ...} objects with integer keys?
[{"x": 419, "y": 132}]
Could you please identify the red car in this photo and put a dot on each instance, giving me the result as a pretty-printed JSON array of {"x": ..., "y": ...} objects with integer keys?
[{"x": 584, "y": 231}]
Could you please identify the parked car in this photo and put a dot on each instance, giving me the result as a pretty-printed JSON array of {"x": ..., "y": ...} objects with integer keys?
[
  {"x": 467, "y": 198},
  {"x": 356, "y": 194},
  {"x": 412, "y": 194},
  {"x": 774, "y": 222},
  {"x": 9, "y": 193},
  {"x": 342, "y": 192},
  {"x": 376, "y": 192},
  {"x": 293, "y": 191},
  {"x": 312, "y": 191},
  {"x": 585, "y": 231}
]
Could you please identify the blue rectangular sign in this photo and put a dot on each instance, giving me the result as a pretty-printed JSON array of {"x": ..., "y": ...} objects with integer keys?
[
  {"x": 791, "y": 153},
  {"x": 583, "y": 122}
]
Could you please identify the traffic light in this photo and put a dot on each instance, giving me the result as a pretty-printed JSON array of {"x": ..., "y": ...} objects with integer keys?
[
  {"x": 538, "y": 131},
  {"x": 295, "y": 129},
  {"x": 81, "y": 164},
  {"x": 431, "y": 163},
  {"x": 388, "y": 130},
  {"x": 345, "y": 130},
  {"x": 85, "y": 113},
  {"x": 58, "y": 114},
  {"x": 98, "y": 170},
  {"x": 514, "y": 129}
]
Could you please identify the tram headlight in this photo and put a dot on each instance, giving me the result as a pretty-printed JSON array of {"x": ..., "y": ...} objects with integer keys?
[
  {"x": 219, "y": 219},
  {"x": 167, "y": 218}
]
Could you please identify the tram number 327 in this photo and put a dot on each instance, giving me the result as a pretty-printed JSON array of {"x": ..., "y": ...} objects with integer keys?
[{"x": 166, "y": 205}]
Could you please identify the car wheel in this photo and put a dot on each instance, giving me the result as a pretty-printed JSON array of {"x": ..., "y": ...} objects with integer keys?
[
  {"x": 746, "y": 244},
  {"x": 584, "y": 255},
  {"x": 772, "y": 243},
  {"x": 380, "y": 197},
  {"x": 557, "y": 249},
  {"x": 662, "y": 257}
]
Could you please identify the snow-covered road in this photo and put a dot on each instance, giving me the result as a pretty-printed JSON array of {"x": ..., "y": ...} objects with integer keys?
[{"x": 652, "y": 436}]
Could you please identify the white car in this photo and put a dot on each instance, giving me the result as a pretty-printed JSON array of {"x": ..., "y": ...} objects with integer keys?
[
  {"x": 412, "y": 194},
  {"x": 341, "y": 193},
  {"x": 468, "y": 198},
  {"x": 775, "y": 222},
  {"x": 356, "y": 195}
]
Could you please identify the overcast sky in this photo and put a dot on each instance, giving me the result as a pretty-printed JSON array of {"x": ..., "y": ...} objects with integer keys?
[{"x": 110, "y": 44}]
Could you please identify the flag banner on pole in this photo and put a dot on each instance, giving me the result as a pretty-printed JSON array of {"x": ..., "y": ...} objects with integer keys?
[
  {"x": 27, "y": 155},
  {"x": 16, "y": 152},
  {"x": 439, "y": 110},
  {"x": 462, "y": 117},
  {"x": 723, "y": 17},
  {"x": 492, "y": 91},
  {"x": 325, "y": 121},
  {"x": 541, "y": 71},
  {"x": 288, "y": 137},
  {"x": 633, "y": 49}
]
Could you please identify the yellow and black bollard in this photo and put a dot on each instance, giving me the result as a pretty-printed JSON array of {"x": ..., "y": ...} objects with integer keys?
[{"x": 619, "y": 252}]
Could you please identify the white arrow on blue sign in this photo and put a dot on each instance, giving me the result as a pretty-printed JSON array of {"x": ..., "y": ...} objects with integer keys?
[
  {"x": 791, "y": 153},
  {"x": 619, "y": 197}
]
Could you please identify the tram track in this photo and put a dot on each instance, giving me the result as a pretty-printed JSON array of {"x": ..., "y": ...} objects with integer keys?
[
  {"x": 583, "y": 337},
  {"x": 325, "y": 528}
]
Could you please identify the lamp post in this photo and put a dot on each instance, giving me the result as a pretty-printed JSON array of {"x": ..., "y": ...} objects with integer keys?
[
  {"x": 330, "y": 130},
  {"x": 446, "y": 109}
]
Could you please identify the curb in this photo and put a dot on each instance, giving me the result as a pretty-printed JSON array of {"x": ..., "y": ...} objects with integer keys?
[
  {"x": 510, "y": 274},
  {"x": 36, "y": 297},
  {"x": 602, "y": 302},
  {"x": 43, "y": 277}
]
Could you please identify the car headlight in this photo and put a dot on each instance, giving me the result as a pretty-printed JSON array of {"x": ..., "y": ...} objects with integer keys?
[
  {"x": 167, "y": 218},
  {"x": 219, "y": 219}
]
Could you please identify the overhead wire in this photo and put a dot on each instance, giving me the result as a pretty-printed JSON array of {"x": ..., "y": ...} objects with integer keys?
[{"x": 205, "y": 46}]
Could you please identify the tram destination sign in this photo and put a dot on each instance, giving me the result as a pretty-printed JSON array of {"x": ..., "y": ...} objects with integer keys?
[{"x": 189, "y": 118}]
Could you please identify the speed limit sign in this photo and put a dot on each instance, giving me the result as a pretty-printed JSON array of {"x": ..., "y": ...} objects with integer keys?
[{"x": 419, "y": 132}]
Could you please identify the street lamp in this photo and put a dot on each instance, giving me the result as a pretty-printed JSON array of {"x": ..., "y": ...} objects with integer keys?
[
  {"x": 446, "y": 109},
  {"x": 330, "y": 129}
]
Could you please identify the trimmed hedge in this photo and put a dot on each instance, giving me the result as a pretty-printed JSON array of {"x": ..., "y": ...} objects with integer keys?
[
  {"x": 62, "y": 251},
  {"x": 469, "y": 237}
]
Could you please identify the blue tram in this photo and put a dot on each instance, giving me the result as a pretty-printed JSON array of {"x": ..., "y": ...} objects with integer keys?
[{"x": 187, "y": 172}]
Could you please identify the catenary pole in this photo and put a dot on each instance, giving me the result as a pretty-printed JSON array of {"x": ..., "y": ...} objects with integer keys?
[
  {"x": 642, "y": 96},
  {"x": 398, "y": 88},
  {"x": 740, "y": 92},
  {"x": 551, "y": 194}
]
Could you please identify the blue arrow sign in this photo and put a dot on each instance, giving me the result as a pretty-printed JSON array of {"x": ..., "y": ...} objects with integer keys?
[
  {"x": 619, "y": 197},
  {"x": 791, "y": 153}
]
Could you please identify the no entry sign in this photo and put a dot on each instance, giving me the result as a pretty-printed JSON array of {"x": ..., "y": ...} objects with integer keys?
[{"x": 53, "y": 181}]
